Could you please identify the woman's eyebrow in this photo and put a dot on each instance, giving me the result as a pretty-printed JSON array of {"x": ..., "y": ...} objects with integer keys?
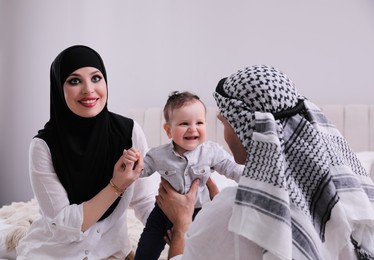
[
  {"x": 94, "y": 72},
  {"x": 79, "y": 75},
  {"x": 74, "y": 75}
]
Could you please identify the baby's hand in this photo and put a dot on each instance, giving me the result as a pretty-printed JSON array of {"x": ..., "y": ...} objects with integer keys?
[
  {"x": 130, "y": 156},
  {"x": 212, "y": 187},
  {"x": 127, "y": 169}
]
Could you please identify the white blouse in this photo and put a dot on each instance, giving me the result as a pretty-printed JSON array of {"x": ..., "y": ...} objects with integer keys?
[{"x": 57, "y": 234}]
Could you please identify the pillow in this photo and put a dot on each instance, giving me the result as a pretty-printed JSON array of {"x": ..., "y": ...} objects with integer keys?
[{"x": 367, "y": 160}]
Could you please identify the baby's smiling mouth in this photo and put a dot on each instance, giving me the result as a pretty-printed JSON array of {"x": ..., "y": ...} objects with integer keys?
[{"x": 191, "y": 137}]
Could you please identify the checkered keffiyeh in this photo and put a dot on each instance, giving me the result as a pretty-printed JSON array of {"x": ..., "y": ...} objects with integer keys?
[{"x": 303, "y": 193}]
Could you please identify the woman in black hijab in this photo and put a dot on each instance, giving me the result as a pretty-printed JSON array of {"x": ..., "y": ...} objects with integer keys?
[{"x": 77, "y": 171}]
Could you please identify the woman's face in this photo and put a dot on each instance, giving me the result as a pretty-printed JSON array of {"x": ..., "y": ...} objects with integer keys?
[
  {"x": 85, "y": 92},
  {"x": 232, "y": 140}
]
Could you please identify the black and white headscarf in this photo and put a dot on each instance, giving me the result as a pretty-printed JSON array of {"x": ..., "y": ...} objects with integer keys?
[{"x": 303, "y": 193}]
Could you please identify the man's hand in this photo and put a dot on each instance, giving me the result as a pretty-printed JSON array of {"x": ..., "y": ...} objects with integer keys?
[{"x": 179, "y": 209}]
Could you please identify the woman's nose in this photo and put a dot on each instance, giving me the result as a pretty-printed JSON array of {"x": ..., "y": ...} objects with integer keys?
[{"x": 87, "y": 88}]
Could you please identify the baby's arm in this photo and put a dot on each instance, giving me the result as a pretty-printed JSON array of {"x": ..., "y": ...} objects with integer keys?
[
  {"x": 225, "y": 164},
  {"x": 212, "y": 187}
]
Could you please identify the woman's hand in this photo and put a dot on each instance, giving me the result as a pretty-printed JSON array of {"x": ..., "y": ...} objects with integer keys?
[
  {"x": 128, "y": 168},
  {"x": 122, "y": 178}
]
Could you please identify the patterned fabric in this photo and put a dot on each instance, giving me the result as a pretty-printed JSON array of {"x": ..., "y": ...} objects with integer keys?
[{"x": 303, "y": 192}]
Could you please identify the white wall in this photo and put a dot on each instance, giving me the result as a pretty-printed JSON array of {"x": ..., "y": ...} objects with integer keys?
[{"x": 153, "y": 47}]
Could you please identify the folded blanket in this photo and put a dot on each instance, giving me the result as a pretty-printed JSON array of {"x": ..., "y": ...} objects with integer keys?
[{"x": 19, "y": 215}]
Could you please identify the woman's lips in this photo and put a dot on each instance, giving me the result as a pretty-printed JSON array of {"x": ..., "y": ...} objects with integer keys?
[{"x": 88, "y": 102}]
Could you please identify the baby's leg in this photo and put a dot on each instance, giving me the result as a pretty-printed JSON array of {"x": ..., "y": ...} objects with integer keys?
[{"x": 151, "y": 242}]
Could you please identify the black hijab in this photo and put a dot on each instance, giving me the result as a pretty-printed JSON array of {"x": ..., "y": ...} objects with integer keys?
[{"x": 84, "y": 150}]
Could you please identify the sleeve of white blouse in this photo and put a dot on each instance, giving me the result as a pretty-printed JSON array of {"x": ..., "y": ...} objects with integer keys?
[
  {"x": 145, "y": 189},
  {"x": 50, "y": 194}
]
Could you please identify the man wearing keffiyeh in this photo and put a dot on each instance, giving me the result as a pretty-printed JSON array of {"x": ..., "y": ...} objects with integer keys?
[{"x": 303, "y": 193}]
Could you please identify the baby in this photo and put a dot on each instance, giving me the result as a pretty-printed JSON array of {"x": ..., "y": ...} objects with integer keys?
[{"x": 187, "y": 157}]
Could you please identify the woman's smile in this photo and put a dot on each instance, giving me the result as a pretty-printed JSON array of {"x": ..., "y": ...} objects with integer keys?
[{"x": 88, "y": 102}]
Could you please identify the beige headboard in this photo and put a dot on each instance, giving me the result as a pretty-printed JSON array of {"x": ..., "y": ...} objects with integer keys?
[{"x": 355, "y": 122}]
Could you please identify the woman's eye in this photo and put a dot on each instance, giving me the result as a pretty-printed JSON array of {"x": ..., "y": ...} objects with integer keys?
[
  {"x": 96, "y": 78},
  {"x": 73, "y": 81}
]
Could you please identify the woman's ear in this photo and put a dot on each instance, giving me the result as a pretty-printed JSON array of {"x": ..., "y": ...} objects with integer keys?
[{"x": 167, "y": 130}]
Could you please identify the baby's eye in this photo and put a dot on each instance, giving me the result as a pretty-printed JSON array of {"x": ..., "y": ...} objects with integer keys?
[
  {"x": 184, "y": 123},
  {"x": 96, "y": 78},
  {"x": 200, "y": 123},
  {"x": 73, "y": 81}
]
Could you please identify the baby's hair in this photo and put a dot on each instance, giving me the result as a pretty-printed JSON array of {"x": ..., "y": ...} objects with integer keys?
[{"x": 177, "y": 100}]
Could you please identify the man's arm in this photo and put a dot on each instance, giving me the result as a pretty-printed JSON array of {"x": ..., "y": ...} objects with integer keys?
[
  {"x": 177, "y": 243},
  {"x": 179, "y": 209}
]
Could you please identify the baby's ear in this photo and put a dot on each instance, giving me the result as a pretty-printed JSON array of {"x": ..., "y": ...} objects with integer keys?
[{"x": 167, "y": 129}]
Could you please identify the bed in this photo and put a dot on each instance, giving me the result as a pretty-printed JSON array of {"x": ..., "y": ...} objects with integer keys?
[{"x": 355, "y": 122}]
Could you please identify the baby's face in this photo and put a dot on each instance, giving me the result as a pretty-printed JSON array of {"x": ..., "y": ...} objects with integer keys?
[{"x": 187, "y": 126}]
